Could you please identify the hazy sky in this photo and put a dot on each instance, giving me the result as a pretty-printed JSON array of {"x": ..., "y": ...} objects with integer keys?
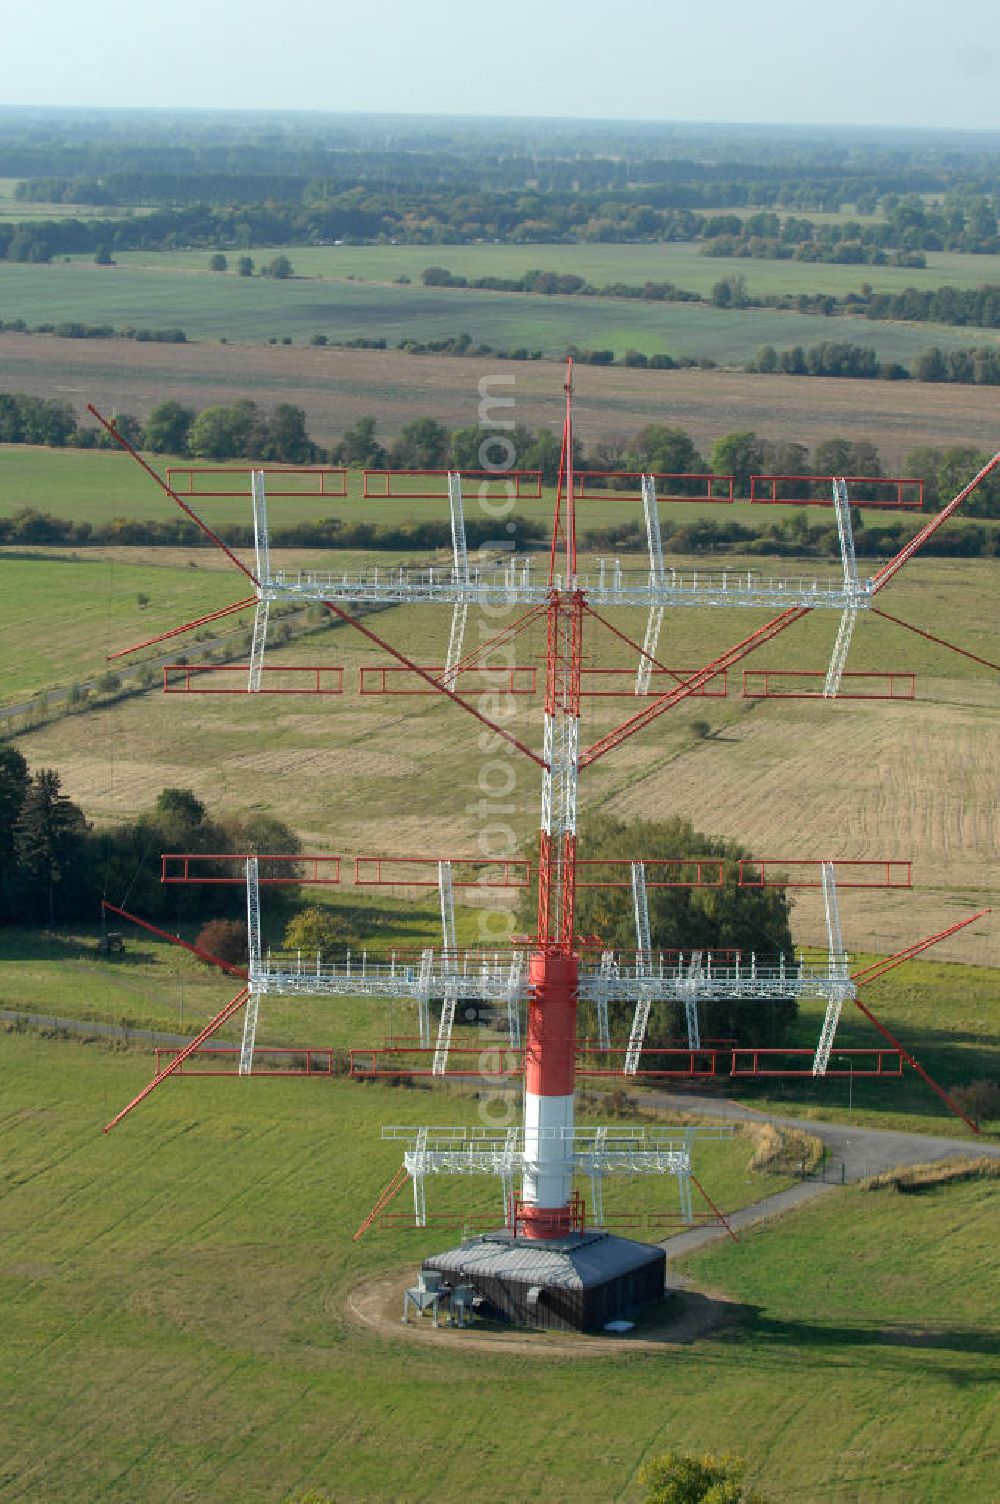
[{"x": 886, "y": 62}]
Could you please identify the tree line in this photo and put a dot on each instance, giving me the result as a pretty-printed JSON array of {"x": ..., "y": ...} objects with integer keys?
[
  {"x": 977, "y": 307},
  {"x": 361, "y": 215},
  {"x": 55, "y": 867},
  {"x": 242, "y": 430}
]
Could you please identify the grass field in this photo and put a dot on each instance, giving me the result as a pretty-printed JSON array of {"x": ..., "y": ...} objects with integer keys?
[
  {"x": 59, "y": 618},
  {"x": 944, "y": 1012},
  {"x": 173, "y": 1303},
  {"x": 99, "y": 486},
  {"x": 677, "y": 262},
  {"x": 211, "y": 306}
]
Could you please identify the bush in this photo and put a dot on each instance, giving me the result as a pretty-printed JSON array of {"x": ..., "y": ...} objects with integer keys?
[
  {"x": 979, "y": 1099},
  {"x": 225, "y": 938}
]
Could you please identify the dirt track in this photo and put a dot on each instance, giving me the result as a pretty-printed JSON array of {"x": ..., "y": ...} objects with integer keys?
[{"x": 377, "y": 1305}]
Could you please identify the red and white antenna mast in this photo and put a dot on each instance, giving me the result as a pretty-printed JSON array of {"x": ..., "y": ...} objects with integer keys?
[{"x": 550, "y": 1150}]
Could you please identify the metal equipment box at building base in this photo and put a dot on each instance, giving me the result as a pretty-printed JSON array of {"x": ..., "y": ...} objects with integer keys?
[{"x": 575, "y": 1283}]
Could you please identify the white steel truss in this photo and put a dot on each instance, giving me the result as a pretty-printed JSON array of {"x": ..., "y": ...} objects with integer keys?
[
  {"x": 600, "y": 998},
  {"x": 481, "y": 978},
  {"x": 450, "y": 1000},
  {"x": 423, "y": 995},
  {"x": 841, "y": 647},
  {"x": 262, "y": 552},
  {"x": 654, "y": 542},
  {"x": 514, "y": 583},
  {"x": 650, "y": 646},
  {"x": 253, "y": 957},
  {"x": 838, "y": 967},
  {"x": 460, "y": 553},
  {"x": 690, "y": 994},
  {"x": 610, "y": 1149},
  {"x": 515, "y": 991},
  {"x": 643, "y": 966},
  {"x": 456, "y": 639}
]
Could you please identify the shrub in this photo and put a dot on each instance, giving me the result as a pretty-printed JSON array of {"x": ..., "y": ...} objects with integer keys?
[{"x": 225, "y": 938}]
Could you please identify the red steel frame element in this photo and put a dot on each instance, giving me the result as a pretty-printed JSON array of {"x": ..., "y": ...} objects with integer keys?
[
  {"x": 596, "y": 485},
  {"x": 499, "y": 1062},
  {"x": 775, "y": 626},
  {"x": 511, "y": 872},
  {"x": 754, "y": 873},
  {"x": 754, "y": 1062},
  {"x": 900, "y": 685},
  {"x": 223, "y": 1016},
  {"x": 889, "y": 963},
  {"x": 192, "y": 859},
  {"x": 379, "y": 485},
  {"x": 497, "y": 678},
  {"x": 189, "y": 626},
  {"x": 941, "y": 641},
  {"x": 232, "y": 1052},
  {"x": 720, "y": 1215},
  {"x": 903, "y": 498},
  {"x": 707, "y": 871},
  {"x": 113, "y": 433},
  {"x": 882, "y": 576},
  {"x": 627, "y": 691},
  {"x": 393, "y": 1189},
  {"x": 197, "y": 950},
  {"x": 191, "y": 671},
  {"x": 272, "y": 479}
]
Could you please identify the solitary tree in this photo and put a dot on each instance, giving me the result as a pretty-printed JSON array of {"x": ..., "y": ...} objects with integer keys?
[
  {"x": 218, "y": 262},
  {"x": 675, "y": 1478},
  {"x": 314, "y": 929}
]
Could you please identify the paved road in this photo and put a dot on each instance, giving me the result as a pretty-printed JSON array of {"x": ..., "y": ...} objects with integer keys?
[
  {"x": 861, "y": 1151},
  {"x": 92, "y": 1029}
]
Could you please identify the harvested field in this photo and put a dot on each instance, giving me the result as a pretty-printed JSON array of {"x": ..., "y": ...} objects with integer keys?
[{"x": 335, "y": 387}]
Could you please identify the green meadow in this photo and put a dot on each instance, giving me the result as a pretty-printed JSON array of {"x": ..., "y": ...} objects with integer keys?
[
  {"x": 175, "y": 1296},
  {"x": 209, "y": 306},
  {"x": 679, "y": 262}
]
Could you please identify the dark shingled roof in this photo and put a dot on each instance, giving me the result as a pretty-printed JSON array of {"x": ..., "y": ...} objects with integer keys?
[{"x": 573, "y": 1263}]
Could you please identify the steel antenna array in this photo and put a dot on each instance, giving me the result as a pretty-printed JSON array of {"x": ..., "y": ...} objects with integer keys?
[{"x": 554, "y": 971}]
